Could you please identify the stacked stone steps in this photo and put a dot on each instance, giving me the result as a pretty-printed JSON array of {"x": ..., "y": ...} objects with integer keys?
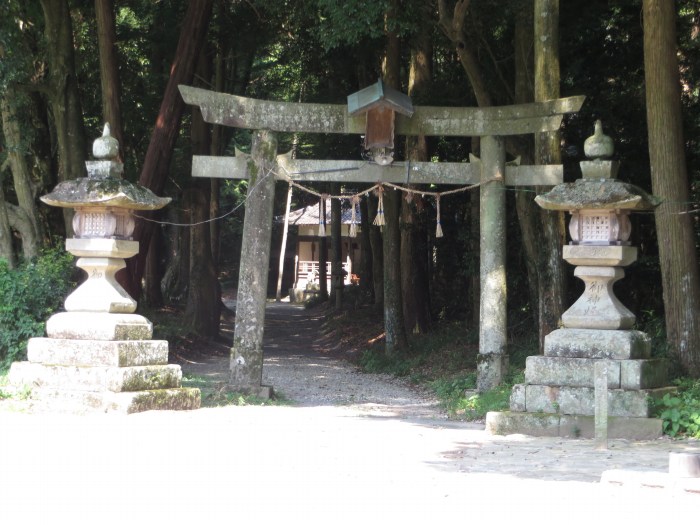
[
  {"x": 99, "y": 378},
  {"x": 562, "y": 380},
  {"x": 83, "y": 401},
  {"x": 625, "y": 374},
  {"x": 569, "y": 426},
  {"x": 101, "y": 362},
  {"x": 581, "y": 400},
  {"x": 558, "y": 395}
]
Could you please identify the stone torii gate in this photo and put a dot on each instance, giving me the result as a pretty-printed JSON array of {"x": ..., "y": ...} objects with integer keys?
[{"x": 492, "y": 124}]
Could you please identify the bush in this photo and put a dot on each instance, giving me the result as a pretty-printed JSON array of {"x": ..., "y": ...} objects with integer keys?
[
  {"x": 681, "y": 412},
  {"x": 29, "y": 294}
]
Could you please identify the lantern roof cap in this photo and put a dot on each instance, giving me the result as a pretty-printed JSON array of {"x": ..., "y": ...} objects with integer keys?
[
  {"x": 110, "y": 191},
  {"x": 104, "y": 186},
  {"x": 601, "y": 194},
  {"x": 379, "y": 95}
]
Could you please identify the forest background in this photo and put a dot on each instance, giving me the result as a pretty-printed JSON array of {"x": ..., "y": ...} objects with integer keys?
[{"x": 66, "y": 67}]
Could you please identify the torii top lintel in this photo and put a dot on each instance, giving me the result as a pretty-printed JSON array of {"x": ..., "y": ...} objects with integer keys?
[{"x": 249, "y": 113}]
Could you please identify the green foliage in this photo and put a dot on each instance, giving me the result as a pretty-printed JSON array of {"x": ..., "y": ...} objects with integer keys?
[
  {"x": 29, "y": 294},
  {"x": 216, "y": 395},
  {"x": 448, "y": 351},
  {"x": 16, "y": 36},
  {"x": 374, "y": 361},
  {"x": 461, "y": 401},
  {"x": 681, "y": 412},
  {"x": 351, "y": 21}
]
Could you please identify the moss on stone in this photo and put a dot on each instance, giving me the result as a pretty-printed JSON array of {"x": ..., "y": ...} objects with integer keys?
[
  {"x": 166, "y": 399},
  {"x": 109, "y": 191}
]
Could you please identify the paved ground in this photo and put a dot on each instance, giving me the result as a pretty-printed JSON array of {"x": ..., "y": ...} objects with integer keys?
[{"x": 369, "y": 461}]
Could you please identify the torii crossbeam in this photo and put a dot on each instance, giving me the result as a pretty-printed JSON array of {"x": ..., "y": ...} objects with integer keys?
[{"x": 492, "y": 124}]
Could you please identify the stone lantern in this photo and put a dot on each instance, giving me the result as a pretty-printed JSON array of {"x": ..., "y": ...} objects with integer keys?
[
  {"x": 99, "y": 354},
  {"x": 600, "y": 229},
  {"x": 103, "y": 225},
  {"x": 558, "y": 395}
]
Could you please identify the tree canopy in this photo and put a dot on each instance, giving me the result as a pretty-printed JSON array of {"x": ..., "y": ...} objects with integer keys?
[{"x": 321, "y": 51}]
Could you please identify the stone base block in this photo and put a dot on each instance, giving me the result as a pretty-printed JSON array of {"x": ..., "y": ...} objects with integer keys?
[
  {"x": 554, "y": 425},
  {"x": 260, "y": 391},
  {"x": 578, "y": 372},
  {"x": 597, "y": 344},
  {"x": 643, "y": 373},
  {"x": 165, "y": 399},
  {"x": 80, "y": 402},
  {"x": 98, "y": 326},
  {"x": 96, "y": 378},
  {"x": 581, "y": 400},
  {"x": 490, "y": 370},
  {"x": 76, "y": 352}
]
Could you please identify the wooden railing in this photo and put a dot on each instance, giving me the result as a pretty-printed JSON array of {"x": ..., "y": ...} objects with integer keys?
[{"x": 308, "y": 272}]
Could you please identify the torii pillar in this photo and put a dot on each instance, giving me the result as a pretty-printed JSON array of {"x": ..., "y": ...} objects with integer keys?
[
  {"x": 245, "y": 369},
  {"x": 492, "y": 361}
]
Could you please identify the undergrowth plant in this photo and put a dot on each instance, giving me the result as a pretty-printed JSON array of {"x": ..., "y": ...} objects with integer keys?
[
  {"x": 29, "y": 294},
  {"x": 216, "y": 395},
  {"x": 445, "y": 362},
  {"x": 681, "y": 412},
  {"x": 461, "y": 401}
]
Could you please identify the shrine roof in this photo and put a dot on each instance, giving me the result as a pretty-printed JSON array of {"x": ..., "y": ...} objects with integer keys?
[
  {"x": 309, "y": 215},
  {"x": 379, "y": 95}
]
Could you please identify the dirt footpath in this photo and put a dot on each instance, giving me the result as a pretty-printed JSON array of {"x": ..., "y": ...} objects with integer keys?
[{"x": 323, "y": 461}]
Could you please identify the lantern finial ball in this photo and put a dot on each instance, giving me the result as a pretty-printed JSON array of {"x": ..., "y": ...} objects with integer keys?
[
  {"x": 599, "y": 145},
  {"x": 105, "y": 147}
]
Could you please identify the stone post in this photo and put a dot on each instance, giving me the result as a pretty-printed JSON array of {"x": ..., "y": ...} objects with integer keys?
[
  {"x": 247, "y": 351},
  {"x": 492, "y": 362}
]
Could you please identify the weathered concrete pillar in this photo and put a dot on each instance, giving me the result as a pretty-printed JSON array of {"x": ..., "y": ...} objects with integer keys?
[
  {"x": 247, "y": 351},
  {"x": 492, "y": 362}
]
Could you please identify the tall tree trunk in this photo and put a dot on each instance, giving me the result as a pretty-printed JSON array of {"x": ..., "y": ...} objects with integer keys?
[
  {"x": 394, "y": 327},
  {"x": 669, "y": 178},
  {"x": 109, "y": 70},
  {"x": 156, "y": 165},
  {"x": 7, "y": 251},
  {"x": 283, "y": 244},
  {"x": 376, "y": 243},
  {"x": 21, "y": 174},
  {"x": 415, "y": 280},
  {"x": 337, "y": 246},
  {"x": 202, "y": 312},
  {"x": 366, "y": 280},
  {"x": 550, "y": 265},
  {"x": 153, "y": 274},
  {"x": 216, "y": 149},
  {"x": 395, "y": 331},
  {"x": 22, "y": 224},
  {"x": 453, "y": 26},
  {"x": 526, "y": 208},
  {"x": 323, "y": 254},
  {"x": 64, "y": 98}
]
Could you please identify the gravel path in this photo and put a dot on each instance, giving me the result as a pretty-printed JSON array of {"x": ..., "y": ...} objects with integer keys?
[
  {"x": 356, "y": 448},
  {"x": 296, "y": 367}
]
